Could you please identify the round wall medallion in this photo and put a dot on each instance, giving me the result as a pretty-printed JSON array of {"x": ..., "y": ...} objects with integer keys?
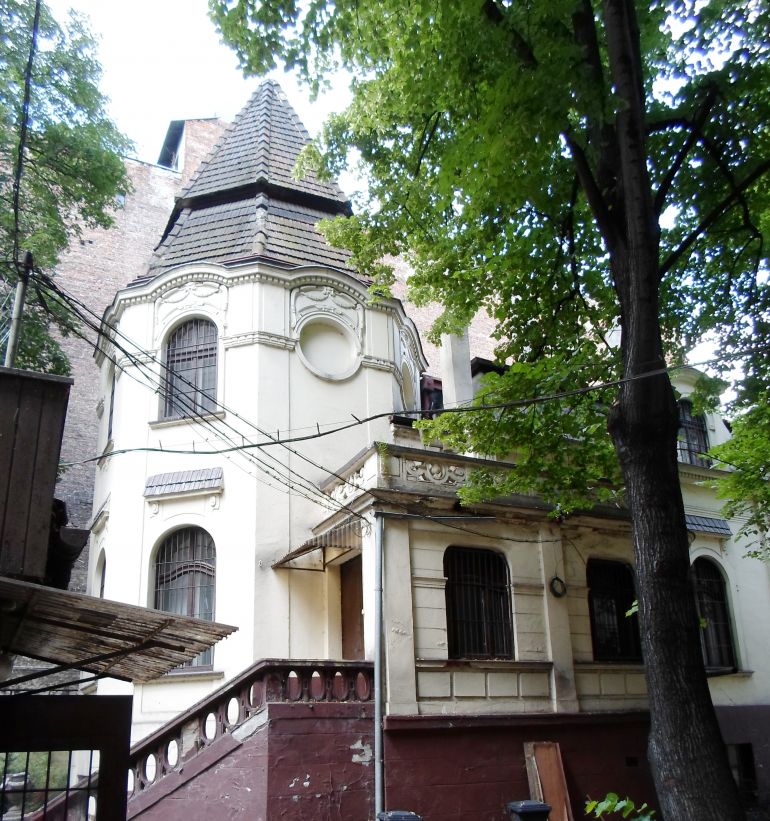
[
  {"x": 557, "y": 587},
  {"x": 328, "y": 349}
]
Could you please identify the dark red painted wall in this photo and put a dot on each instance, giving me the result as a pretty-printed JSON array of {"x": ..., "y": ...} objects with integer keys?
[
  {"x": 305, "y": 762},
  {"x": 314, "y": 762},
  {"x": 451, "y": 769},
  {"x": 321, "y": 762}
]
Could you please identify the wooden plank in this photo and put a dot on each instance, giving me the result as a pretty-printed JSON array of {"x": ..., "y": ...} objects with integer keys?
[
  {"x": 54, "y": 398},
  {"x": 15, "y": 536},
  {"x": 9, "y": 417},
  {"x": 533, "y": 777},
  {"x": 546, "y": 774},
  {"x": 32, "y": 410}
]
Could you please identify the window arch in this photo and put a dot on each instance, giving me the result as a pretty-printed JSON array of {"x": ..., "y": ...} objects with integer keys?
[
  {"x": 478, "y": 604},
  {"x": 611, "y": 593},
  {"x": 190, "y": 359},
  {"x": 714, "y": 615},
  {"x": 185, "y": 579}
]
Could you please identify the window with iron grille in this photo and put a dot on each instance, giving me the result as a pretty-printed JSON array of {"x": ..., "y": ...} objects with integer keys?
[
  {"x": 478, "y": 604},
  {"x": 693, "y": 440},
  {"x": 34, "y": 782},
  {"x": 191, "y": 370},
  {"x": 714, "y": 614},
  {"x": 611, "y": 593},
  {"x": 185, "y": 578}
]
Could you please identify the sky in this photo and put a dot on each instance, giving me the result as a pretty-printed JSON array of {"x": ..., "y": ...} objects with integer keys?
[{"x": 163, "y": 60}]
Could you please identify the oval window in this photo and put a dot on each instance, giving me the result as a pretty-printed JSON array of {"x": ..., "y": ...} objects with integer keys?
[{"x": 328, "y": 349}]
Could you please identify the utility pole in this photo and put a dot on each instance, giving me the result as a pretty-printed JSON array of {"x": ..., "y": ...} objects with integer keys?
[{"x": 18, "y": 310}]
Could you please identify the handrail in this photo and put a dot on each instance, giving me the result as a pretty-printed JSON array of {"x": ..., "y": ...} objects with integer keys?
[{"x": 267, "y": 681}]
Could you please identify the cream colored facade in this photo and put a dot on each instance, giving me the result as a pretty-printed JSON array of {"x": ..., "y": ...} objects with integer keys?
[
  {"x": 298, "y": 351},
  {"x": 302, "y": 350}
]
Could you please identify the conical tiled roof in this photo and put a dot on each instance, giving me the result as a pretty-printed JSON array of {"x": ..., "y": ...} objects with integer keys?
[{"x": 243, "y": 202}]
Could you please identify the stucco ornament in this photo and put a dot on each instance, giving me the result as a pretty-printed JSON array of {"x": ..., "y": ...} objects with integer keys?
[
  {"x": 435, "y": 473},
  {"x": 328, "y": 325},
  {"x": 325, "y": 300},
  {"x": 351, "y": 487},
  {"x": 208, "y": 298}
]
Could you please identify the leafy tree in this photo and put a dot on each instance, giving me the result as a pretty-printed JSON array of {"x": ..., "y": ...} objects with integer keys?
[
  {"x": 594, "y": 176},
  {"x": 746, "y": 486},
  {"x": 60, "y": 164}
]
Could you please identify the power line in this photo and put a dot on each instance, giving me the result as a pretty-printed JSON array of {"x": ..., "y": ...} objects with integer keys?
[
  {"x": 319, "y": 497},
  {"x": 190, "y": 411}
]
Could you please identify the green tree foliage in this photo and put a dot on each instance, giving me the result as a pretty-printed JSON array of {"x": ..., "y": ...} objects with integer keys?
[
  {"x": 595, "y": 176},
  {"x": 746, "y": 485},
  {"x": 71, "y": 168}
]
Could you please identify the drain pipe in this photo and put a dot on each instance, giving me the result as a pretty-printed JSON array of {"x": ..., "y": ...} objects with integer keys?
[{"x": 379, "y": 786}]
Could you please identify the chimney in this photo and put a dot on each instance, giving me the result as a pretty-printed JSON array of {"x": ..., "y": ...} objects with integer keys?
[{"x": 456, "y": 378}]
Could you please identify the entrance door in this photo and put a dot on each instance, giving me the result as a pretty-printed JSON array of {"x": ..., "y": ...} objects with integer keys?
[{"x": 352, "y": 596}]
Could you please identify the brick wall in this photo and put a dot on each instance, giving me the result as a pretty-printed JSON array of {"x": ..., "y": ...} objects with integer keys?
[{"x": 94, "y": 268}]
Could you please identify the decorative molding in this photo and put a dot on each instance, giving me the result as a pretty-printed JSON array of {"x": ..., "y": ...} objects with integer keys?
[
  {"x": 206, "y": 297},
  {"x": 525, "y": 589},
  {"x": 102, "y": 516},
  {"x": 186, "y": 420},
  {"x": 309, "y": 301},
  {"x": 351, "y": 487},
  {"x": 259, "y": 338},
  {"x": 438, "y": 582},
  {"x": 380, "y": 365},
  {"x": 144, "y": 358},
  {"x": 434, "y": 473}
]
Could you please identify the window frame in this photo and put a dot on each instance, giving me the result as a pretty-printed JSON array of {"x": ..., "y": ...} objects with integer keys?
[
  {"x": 469, "y": 601},
  {"x": 621, "y": 597},
  {"x": 192, "y": 390},
  {"x": 201, "y": 562},
  {"x": 693, "y": 438},
  {"x": 712, "y": 644}
]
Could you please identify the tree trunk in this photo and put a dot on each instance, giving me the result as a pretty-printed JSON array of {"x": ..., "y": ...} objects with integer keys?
[{"x": 687, "y": 755}]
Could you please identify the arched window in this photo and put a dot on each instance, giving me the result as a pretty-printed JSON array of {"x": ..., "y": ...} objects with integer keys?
[
  {"x": 191, "y": 369},
  {"x": 714, "y": 614},
  {"x": 693, "y": 439},
  {"x": 185, "y": 576},
  {"x": 101, "y": 573},
  {"x": 478, "y": 604},
  {"x": 611, "y": 593}
]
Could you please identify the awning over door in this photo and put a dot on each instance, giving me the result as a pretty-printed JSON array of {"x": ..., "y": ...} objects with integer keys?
[{"x": 329, "y": 547}]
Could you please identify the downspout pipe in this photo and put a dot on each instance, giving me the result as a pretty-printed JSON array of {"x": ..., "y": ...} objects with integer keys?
[{"x": 379, "y": 784}]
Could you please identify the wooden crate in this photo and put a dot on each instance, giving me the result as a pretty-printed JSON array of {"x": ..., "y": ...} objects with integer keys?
[{"x": 32, "y": 411}]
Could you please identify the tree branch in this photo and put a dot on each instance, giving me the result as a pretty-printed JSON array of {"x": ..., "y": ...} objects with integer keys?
[
  {"x": 522, "y": 48},
  {"x": 595, "y": 198},
  {"x": 718, "y": 211},
  {"x": 425, "y": 139},
  {"x": 695, "y": 129}
]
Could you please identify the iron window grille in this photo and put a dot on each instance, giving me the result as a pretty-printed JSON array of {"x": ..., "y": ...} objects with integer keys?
[
  {"x": 191, "y": 370},
  {"x": 611, "y": 593},
  {"x": 693, "y": 440},
  {"x": 714, "y": 615},
  {"x": 185, "y": 580},
  {"x": 478, "y": 604},
  {"x": 32, "y": 780}
]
